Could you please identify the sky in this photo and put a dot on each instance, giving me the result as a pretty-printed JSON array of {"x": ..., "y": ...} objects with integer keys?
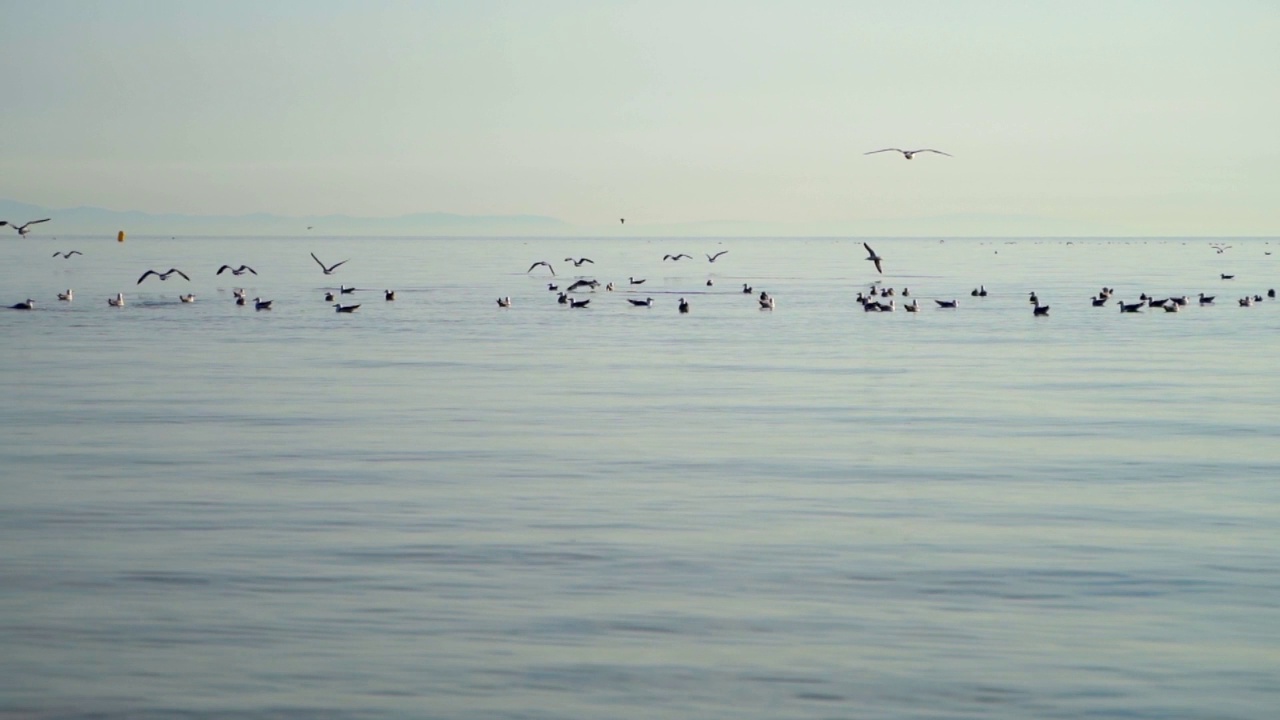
[{"x": 1119, "y": 116}]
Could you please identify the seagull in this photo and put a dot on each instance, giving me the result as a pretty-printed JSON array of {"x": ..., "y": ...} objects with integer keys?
[
  {"x": 237, "y": 271},
  {"x": 327, "y": 270},
  {"x": 1227, "y": 277},
  {"x": 117, "y": 301},
  {"x": 684, "y": 306},
  {"x": 339, "y": 307},
  {"x": 389, "y": 295},
  {"x": 541, "y": 262},
  {"x": 66, "y": 295},
  {"x": 563, "y": 299},
  {"x": 873, "y": 257},
  {"x": 504, "y": 301},
  {"x": 647, "y": 302},
  {"x": 328, "y": 297},
  {"x": 188, "y": 298},
  {"x": 746, "y": 289},
  {"x": 1131, "y": 307},
  {"x": 907, "y": 153},
  {"x": 67, "y": 255},
  {"x": 1206, "y": 300},
  {"x": 28, "y": 305},
  {"x": 260, "y": 304},
  {"x": 709, "y": 283},
  {"x": 579, "y": 261},
  {"x": 766, "y": 302},
  {"x": 676, "y": 257},
  {"x": 947, "y": 303},
  {"x": 593, "y": 284},
  {"x": 22, "y": 229},
  {"x": 1040, "y": 310},
  {"x": 344, "y": 290},
  {"x": 578, "y": 303},
  {"x": 635, "y": 281},
  {"x": 712, "y": 258},
  {"x": 913, "y": 307},
  {"x": 163, "y": 275},
  {"x": 241, "y": 301}
]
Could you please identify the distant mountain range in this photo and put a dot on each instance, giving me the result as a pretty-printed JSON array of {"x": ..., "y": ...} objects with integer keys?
[{"x": 97, "y": 221}]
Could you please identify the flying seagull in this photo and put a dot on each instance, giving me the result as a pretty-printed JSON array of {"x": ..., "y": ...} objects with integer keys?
[
  {"x": 908, "y": 153},
  {"x": 712, "y": 258},
  {"x": 327, "y": 270},
  {"x": 676, "y": 257},
  {"x": 873, "y": 257},
  {"x": 579, "y": 261},
  {"x": 163, "y": 275},
  {"x": 67, "y": 255},
  {"x": 22, "y": 229},
  {"x": 238, "y": 271},
  {"x": 541, "y": 262}
]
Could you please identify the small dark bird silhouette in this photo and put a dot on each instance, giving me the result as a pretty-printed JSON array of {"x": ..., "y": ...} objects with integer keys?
[
  {"x": 163, "y": 275},
  {"x": 236, "y": 271},
  {"x": 22, "y": 229},
  {"x": 541, "y": 262},
  {"x": 328, "y": 270},
  {"x": 684, "y": 306},
  {"x": 873, "y": 257},
  {"x": 712, "y": 258},
  {"x": 68, "y": 254}
]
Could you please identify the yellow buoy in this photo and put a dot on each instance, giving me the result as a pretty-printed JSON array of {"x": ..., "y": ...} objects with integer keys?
[{"x": 120, "y": 236}]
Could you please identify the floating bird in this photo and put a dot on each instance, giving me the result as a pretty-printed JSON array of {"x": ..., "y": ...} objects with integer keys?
[
  {"x": 239, "y": 292},
  {"x": 163, "y": 275},
  {"x": 22, "y": 229},
  {"x": 117, "y": 301},
  {"x": 389, "y": 295},
  {"x": 873, "y": 257},
  {"x": 907, "y": 153},
  {"x": 636, "y": 282},
  {"x": 906, "y": 292},
  {"x": 766, "y": 302},
  {"x": 67, "y": 255},
  {"x": 344, "y": 290},
  {"x": 913, "y": 307},
  {"x": 980, "y": 291},
  {"x": 504, "y": 301},
  {"x": 328, "y": 297},
  {"x": 1131, "y": 307},
  {"x": 684, "y": 306},
  {"x": 260, "y": 304},
  {"x": 1099, "y": 301},
  {"x": 709, "y": 283},
  {"x": 712, "y": 258},
  {"x": 746, "y": 289},
  {"x": 28, "y": 305},
  {"x": 238, "y": 271},
  {"x": 328, "y": 270},
  {"x": 1172, "y": 307},
  {"x": 579, "y": 303},
  {"x": 563, "y": 299},
  {"x": 1271, "y": 293},
  {"x": 647, "y": 302},
  {"x": 1246, "y": 301},
  {"x": 188, "y": 298},
  {"x": 579, "y": 261},
  {"x": 676, "y": 257},
  {"x": 1040, "y": 310},
  {"x": 1206, "y": 300},
  {"x": 1033, "y": 299},
  {"x": 541, "y": 262},
  {"x": 609, "y": 287},
  {"x": 339, "y": 307},
  {"x": 622, "y": 221},
  {"x": 947, "y": 303},
  {"x": 241, "y": 301},
  {"x": 66, "y": 295},
  {"x": 1228, "y": 277}
]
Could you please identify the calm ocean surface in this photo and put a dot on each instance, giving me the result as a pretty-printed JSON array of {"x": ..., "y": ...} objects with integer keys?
[{"x": 438, "y": 508}]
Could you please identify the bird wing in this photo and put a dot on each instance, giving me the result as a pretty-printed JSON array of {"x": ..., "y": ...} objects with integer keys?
[
  {"x": 878, "y": 266},
  {"x": 145, "y": 274},
  {"x": 335, "y": 266},
  {"x": 74, "y": 252},
  {"x": 313, "y": 257},
  {"x": 932, "y": 151},
  {"x": 3, "y": 223},
  {"x": 246, "y": 267},
  {"x": 870, "y": 252},
  {"x": 32, "y": 222},
  {"x": 593, "y": 262},
  {"x": 224, "y": 267},
  {"x": 176, "y": 270},
  {"x": 873, "y": 152}
]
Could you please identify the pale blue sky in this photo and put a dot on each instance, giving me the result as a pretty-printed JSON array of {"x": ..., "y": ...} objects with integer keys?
[{"x": 1134, "y": 117}]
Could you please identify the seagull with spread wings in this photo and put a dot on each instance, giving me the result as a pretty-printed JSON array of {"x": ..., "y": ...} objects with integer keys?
[
  {"x": 908, "y": 153},
  {"x": 328, "y": 270}
]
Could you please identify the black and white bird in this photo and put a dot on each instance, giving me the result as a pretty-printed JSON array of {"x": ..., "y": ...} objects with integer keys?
[
  {"x": 504, "y": 301},
  {"x": 28, "y": 305},
  {"x": 260, "y": 304},
  {"x": 676, "y": 257},
  {"x": 947, "y": 304},
  {"x": 163, "y": 275},
  {"x": 328, "y": 269},
  {"x": 66, "y": 296},
  {"x": 873, "y": 257},
  {"x": 907, "y": 153},
  {"x": 578, "y": 303},
  {"x": 647, "y": 302},
  {"x": 236, "y": 271},
  {"x": 541, "y": 262},
  {"x": 67, "y": 255},
  {"x": 389, "y": 295},
  {"x": 684, "y": 305},
  {"x": 117, "y": 301},
  {"x": 188, "y": 298},
  {"x": 24, "y": 228},
  {"x": 634, "y": 281},
  {"x": 579, "y": 261}
]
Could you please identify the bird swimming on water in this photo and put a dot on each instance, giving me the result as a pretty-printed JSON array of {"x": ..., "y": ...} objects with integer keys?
[
  {"x": 684, "y": 306},
  {"x": 712, "y": 258},
  {"x": 541, "y": 262},
  {"x": 28, "y": 305},
  {"x": 339, "y": 307}
]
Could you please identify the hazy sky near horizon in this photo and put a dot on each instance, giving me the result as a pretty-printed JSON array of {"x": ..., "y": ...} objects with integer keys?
[{"x": 1137, "y": 116}]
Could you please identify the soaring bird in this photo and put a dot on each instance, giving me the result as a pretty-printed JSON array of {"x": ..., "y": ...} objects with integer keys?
[
  {"x": 908, "y": 153},
  {"x": 327, "y": 270},
  {"x": 68, "y": 254},
  {"x": 188, "y": 298},
  {"x": 873, "y": 257},
  {"x": 647, "y": 302},
  {"x": 163, "y": 275},
  {"x": 22, "y": 229},
  {"x": 676, "y": 257},
  {"x": 579, "y": 261},
  {"x": 541, "y": 262},
  {"x": 240, "y": 270},
  {"x": 712, "y": 258}
]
